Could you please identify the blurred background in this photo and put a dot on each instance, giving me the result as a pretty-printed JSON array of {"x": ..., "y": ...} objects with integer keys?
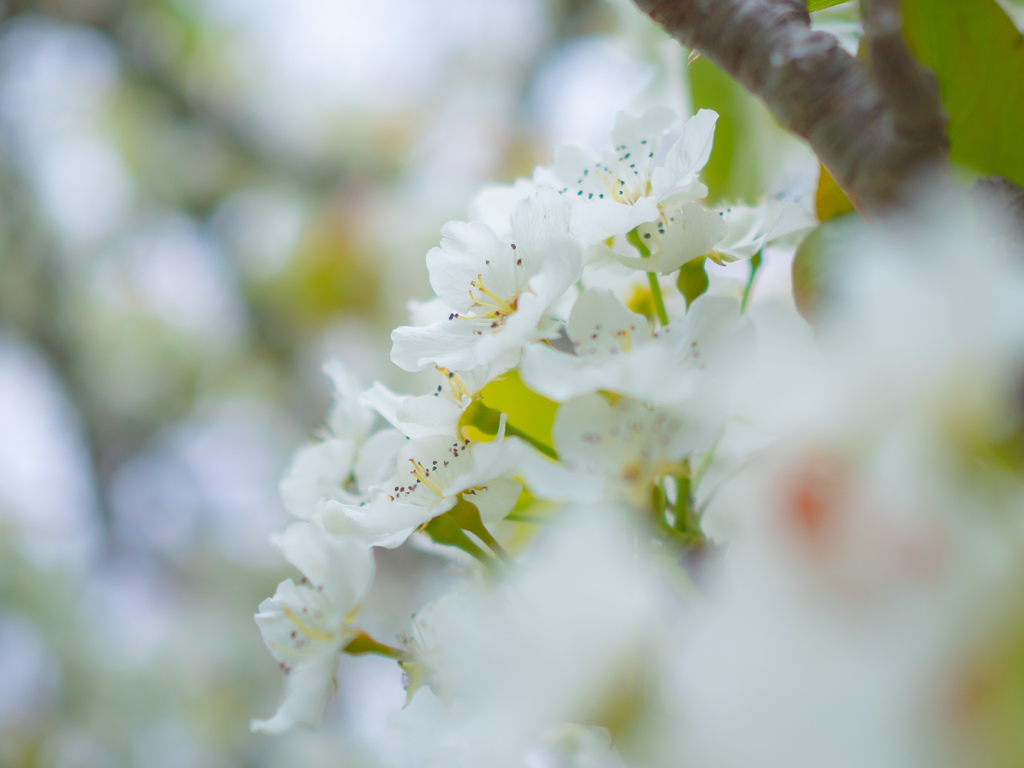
[{"x": 200, "y": 202}]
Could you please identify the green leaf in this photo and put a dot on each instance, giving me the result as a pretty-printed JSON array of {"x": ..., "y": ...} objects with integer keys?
[
  {"x": 755, "y": 267},
  {"x": 362, "y": 643},
  {"x": 816, "y": 259},
  {"x": 481, "y": 424},
  {"x": 530, "y": 415},
  {"x": 445, "y": 529},
  {"x": 820, "y": 5},
  {"x": 829, "y": 200},
  {"x": 692, "y": 280},
  {"x": 978, "y": 56},
  {"x": 732, "y": 171}
]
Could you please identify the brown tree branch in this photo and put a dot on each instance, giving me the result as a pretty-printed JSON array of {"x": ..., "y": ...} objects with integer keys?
[
  {"x": 875, "y": 126},
  {"x": 1004, "y": 198}
]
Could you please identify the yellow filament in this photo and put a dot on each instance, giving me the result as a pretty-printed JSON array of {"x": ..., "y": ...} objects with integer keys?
[
  {"x": 312, "y": 634},
  {"x": 625, "y": 339},
  {"x": 502, "y": 306},
  {"x": 613, "y": 187},
  {"x": 457, "y": 384},
  {"x": 420, "y": 473},
  {"x": 488, "y": 315}
]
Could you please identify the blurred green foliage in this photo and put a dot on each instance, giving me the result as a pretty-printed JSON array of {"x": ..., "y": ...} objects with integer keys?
[
  {"x": 817, "y": 259},
  {"x": 989, "y": 701},
  {"x": 733, "y": 171},
  {"x": 693, "y": 279},
  {"x": 829, "y": 200},
  {"x": 820, "y": 5},
  {"x": 529, "y": 413},
  {"x": 330, "y": 272},
  {"x": 978, "y": 56}
]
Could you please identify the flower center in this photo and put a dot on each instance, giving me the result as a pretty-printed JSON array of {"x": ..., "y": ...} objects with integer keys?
[
  {"x": 625, "y": 339},
  {"x": 422, "y": 474},
  {"x": 308, "y": 631},
  {"x": 496, "y": 305},
  {"x": 458, "y": 385}
]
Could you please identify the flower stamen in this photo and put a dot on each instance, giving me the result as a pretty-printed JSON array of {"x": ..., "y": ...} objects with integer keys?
[
  {"x": 458, "y": 385},
  {"x": 422, "y": 474},
  {"x": 312, "y": 634},
  {"x": 501, "y": 306}
]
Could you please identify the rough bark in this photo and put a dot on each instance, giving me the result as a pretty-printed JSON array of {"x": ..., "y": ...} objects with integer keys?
[
  {"x": 1004, "y": 198},
  {"x": 874, "y": 125}
]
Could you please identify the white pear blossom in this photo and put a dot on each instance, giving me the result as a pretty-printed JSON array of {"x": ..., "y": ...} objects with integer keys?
[
  {"x": 432, "y": 473},
  {"x": 551, "y": 646},
  {"x": 424, "y": 663},
  {"x": 676, "y": 237},
  {"x": 611, "y": 448},
  {"x": 348, "y": 417},
  {"x": 318, "y": 471},
  {"x": 498, "y": 291},
  {"x": 723, "y": 235},
  {"x": 865, "y": 474},
  {"x": 306, "y": 626},
  {"x": 751, "y": 228},
  {"x": 638, "y": 180},
  {"x": 616, "y": 351},
  {"x": 494, "y": 204},
  {"x": 437, "y": 412},
  {"x": 346, "y": 461}
]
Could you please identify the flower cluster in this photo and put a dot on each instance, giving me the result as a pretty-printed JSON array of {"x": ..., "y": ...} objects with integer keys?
[{"x": 593, "y": 437}]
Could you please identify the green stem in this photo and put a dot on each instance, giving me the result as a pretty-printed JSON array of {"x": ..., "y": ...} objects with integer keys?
[
  {"x": 488, "y": 421},
  {"x": 705, "y": 462},
  {"x": 544, "y": 448},
  {"x": 362, "y": 643},
  {"x": 652, "y": 277},
  {"x": 467, "y": 517},
  {"x": 659, "y": 302},
  {"x": 687, "y": 522},
  {"x": 755, "y": 265},
  {"x": 445, "y": 530},
  {"x": 515, "y": 517},
  {"x": 487, "y": 538}
]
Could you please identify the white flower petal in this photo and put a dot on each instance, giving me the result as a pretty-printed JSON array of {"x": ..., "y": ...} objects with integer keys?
[
  {"x": 694, "y": 232},
  {"x": 383, "y": 522},
  {"x": 318, "y": 471},
  {"x": 307, "y": 687},
  {"x": 448, "y": 344},
  {"x": 686, "y": 157},
  {"x": 469, "y": 249},
  {"x": 600, "y": 219},
  {"x": 622, "y": 445},
  {"x": 377, "y": 458},
  {"x": 427, "y": 312},
  {"x": 560, "y": 377},
  {"x": 493, "y": 205},
  {"x": 348, "y": 418},
  {"x": 495, "y": 499},
  {"x": 573, "y": 173},
  {"x": 535, "y": 221},
  {"x": 642, "y": 135},
  {"x": 601, "y": 324},
  {"x": 338, "y": 566},
  {"x": 382, "y": 400},
  {"x": 751, "y": 228},
  {"x": 550, "y": 480},
  {"x": 430, "y": 415}
]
